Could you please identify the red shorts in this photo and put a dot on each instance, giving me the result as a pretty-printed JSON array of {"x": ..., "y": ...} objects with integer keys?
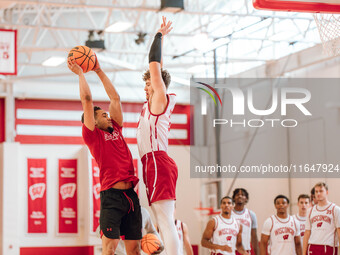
[
  {"x": 160, "y": 176},
  {"x": 315, "y": 249}
]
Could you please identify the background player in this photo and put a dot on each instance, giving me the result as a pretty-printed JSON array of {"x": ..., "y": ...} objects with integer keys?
[
  {"x": 301, "y": 216},
  {"x": 120, "y": 209},
  {"x": 313, "y": 199},
  {"x": 322, "y": 225},
  {"x": 223, "y": 234},
  {"x": 159, "y": 170},
  {"x": 281, "y": 230},
  {"x": 184, "y": 240},
  {"x": 248, "y": 220}
]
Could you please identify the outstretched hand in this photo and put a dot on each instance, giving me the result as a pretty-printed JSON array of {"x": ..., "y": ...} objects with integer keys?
[
  {"x": 96, "y": 67},
  {"x": 74, "y": 67},
  {"x": 165, "y": 27}
]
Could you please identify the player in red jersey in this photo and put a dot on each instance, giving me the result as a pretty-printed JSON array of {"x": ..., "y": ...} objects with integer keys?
[
  {"x": 120, "y": 213},
  {"x": 322, "y": 225},
  {"x": 159, "y": 170}
]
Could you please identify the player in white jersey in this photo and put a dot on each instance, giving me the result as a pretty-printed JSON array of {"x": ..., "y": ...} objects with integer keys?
[
  {"x": 248, "y": 220},
  {"x": 183, "y": 235},
  {"x": 223, "y": 234},
  {"x": 301, "y": 216},
  {"x": 322, "y": 225},
  {"x": 281, "y": 231},
  {"x": 159, "y": 170}
]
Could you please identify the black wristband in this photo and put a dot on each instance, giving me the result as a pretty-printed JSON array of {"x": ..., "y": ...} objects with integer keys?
[{"x": 155, "y": 54}]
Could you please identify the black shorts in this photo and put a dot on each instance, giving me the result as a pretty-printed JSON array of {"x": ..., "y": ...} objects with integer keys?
[{"x": 120, "y": 214}]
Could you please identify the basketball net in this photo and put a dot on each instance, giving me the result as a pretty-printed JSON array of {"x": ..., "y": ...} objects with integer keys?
[{"x": 329, "y": 29}]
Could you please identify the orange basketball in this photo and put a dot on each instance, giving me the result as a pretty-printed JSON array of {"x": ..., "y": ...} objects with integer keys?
[
  {"x": 84, "y": 57},
  {"x": 150, "y": 243}
]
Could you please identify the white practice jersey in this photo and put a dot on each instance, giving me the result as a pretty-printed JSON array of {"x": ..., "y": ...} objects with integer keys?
[
  {"x": 244, "y": 219},
  {"x": 179, "y": 228},
  {"x": 323, "y": 222},
  {"x": 302, "y": 223},
  {"x": 153, "y": 130},
  {"x": 282, "y": 234},
  {"x": 225, "y": 233}
]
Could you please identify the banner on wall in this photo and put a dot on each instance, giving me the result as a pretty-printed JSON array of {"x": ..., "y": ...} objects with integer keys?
[
  {"x": 36, "y": 191},
  {"x": 68, "y": 216},
  {"x": 8, "y": 52},
  {"x": 96, "y": 194}
]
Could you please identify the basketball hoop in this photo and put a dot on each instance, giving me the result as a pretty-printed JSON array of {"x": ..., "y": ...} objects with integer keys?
[
  {"x": 204, "y": 214},
  {"x": 328, "y": 26}
]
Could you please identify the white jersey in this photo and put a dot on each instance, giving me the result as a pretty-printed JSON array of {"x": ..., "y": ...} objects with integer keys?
[
  {"x": 244, "y": 218},
  {"x": 179, "y": 228},
  {"x": 323, "y": 222},
  {"x": 282, "y": 234},
  {"x": 225, "y": 233},
  {"x": 302, "y": 223},
  {"x": 153, "y": 130}
]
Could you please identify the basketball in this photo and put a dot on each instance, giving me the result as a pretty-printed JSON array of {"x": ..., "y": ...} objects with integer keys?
[
  {"x": 150, "y": 243},
  {"x": 84, "y": 57}
]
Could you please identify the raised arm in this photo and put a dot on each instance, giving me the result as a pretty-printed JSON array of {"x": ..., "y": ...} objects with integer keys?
[
  {"x": 115, "y": 108},
  {"x": 85, "y": 94},
  {"x": 158, "y": 100}
]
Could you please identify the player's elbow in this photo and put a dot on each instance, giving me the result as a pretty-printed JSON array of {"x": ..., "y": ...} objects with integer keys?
[{"x": 86, "y": 98}]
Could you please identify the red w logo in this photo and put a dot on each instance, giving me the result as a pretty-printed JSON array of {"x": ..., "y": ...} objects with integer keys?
[
  {"x": 229, "y": 238},
  {"x": 285, "y": 237},
  {"x": 319, "y": 224}
]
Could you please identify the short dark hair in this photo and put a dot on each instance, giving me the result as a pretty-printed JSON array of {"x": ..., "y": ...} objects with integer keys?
[
  {"x": 303, "y": 196},
  {"x": 321, "y": 184},
  {"x": 281, "y": 196},
  {"x": 165, "y": 76},
  {"x": 244, "y": 191},
  {"x": 225, "y": 198},
  {"x": 95, "y": 108},
  {"x": 312, "y": 191}
]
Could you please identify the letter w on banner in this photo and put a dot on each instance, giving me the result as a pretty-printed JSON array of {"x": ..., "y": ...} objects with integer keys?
[
  {"x": 96, "y": 194},
  {"x": 36, "y": 185},
  {"x": 68, "y": 215}
]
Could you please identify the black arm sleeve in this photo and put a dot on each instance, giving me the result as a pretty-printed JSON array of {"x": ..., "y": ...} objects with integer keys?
[{"x": 155, "y": 54}]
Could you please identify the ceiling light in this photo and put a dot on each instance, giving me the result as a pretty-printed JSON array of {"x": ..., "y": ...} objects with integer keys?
[
  {"x": 119, "y": 26},
  {"x": 53, "y": 61}
]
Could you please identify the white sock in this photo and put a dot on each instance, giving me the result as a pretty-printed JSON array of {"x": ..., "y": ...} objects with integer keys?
[{"x": 164, "y": 213}]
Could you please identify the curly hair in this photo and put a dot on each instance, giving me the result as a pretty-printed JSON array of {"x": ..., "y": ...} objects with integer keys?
[{"x": 165, "y": 76}]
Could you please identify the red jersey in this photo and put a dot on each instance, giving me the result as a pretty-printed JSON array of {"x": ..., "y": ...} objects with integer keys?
[{"x": 112, "y": 155}]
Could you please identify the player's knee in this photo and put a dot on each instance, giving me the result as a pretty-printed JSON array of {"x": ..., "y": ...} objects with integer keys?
[{"x": 109, "y": 246}]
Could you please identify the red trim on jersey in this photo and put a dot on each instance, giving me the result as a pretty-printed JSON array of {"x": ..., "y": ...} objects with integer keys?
[
  {"x": 167, "y": 105},
  {"x": 297, "y": 217},
  {"x": 295, "y": 225},
  {"x": 316, "y": 207},
  {"x": 227, "y": 222},
  {"x": 271, "y": 217},
  {"x": 216, "y": 223},
  {"x": 283, "y": 221}
]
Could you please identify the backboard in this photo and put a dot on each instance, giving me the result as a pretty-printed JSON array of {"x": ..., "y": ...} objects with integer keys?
[{"x": 313, "y": 6}]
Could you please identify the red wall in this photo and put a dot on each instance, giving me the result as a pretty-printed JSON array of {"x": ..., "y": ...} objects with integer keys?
[{"x": 82, "y": 250}]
